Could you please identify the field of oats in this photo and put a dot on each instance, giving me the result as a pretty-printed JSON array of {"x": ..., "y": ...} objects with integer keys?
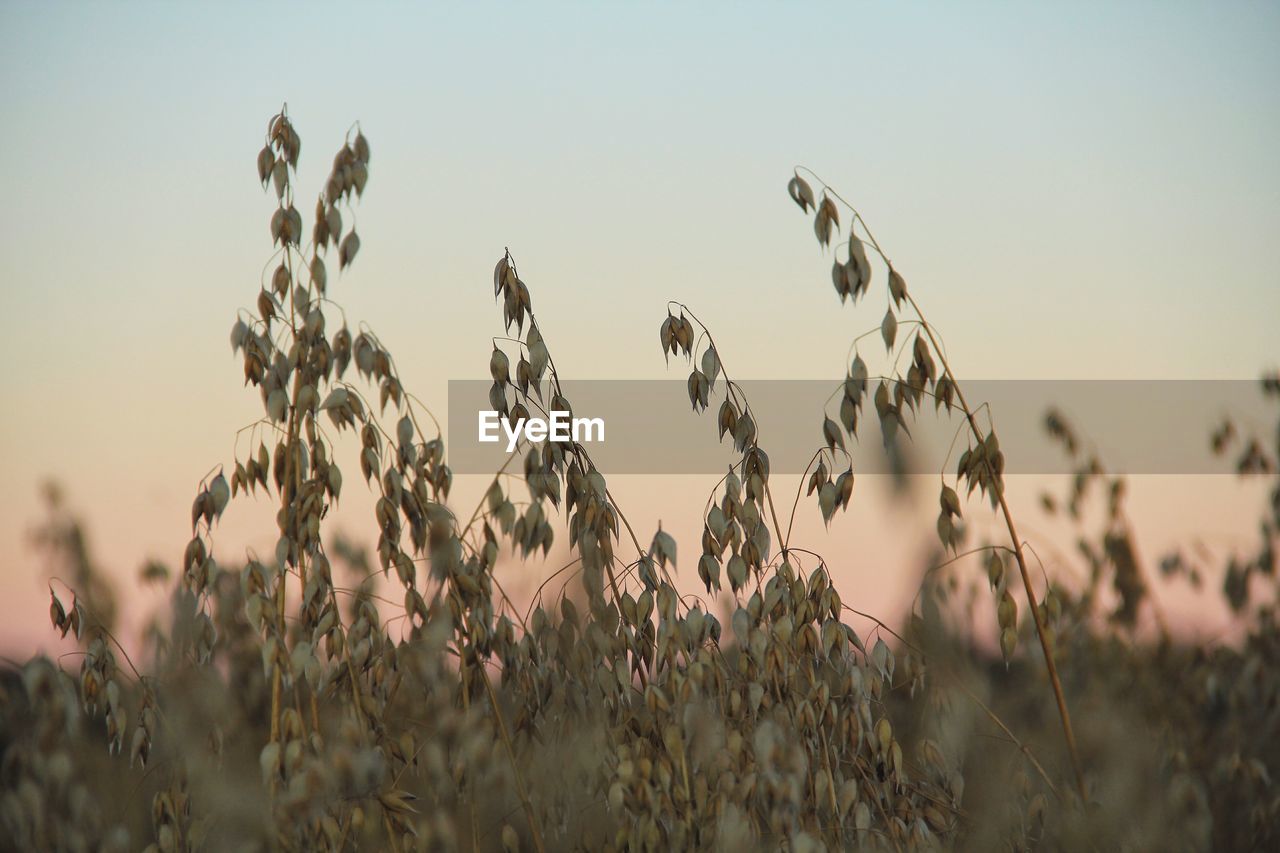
[
  {"x": 379, "y": 690},
  {"x": 935, "y": 497}
]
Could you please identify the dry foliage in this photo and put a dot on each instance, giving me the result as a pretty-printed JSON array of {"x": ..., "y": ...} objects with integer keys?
[{"x": 279, "y": 710}]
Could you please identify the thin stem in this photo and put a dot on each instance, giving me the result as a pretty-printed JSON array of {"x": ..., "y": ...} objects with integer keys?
[
  {"x": 997, "y": 484},
  {"x": 1022, "y": 747},
  {"x": 515, "y": 767}
]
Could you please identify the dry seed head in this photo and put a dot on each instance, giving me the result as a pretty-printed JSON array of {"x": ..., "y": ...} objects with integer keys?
[
  {"x": 266, "y": 160},
  {"x": 801, "y": 193},
  {"x": 995, "y": 570},
  {"x": 280, "y": 178},
  {"x": 499, "y": 367},
  {"x": 1008, "y": 642},
  {"x": 1008, "y": 611},
  {"x": 889, "y": 329},
  {"x": 347, "y": 250}
]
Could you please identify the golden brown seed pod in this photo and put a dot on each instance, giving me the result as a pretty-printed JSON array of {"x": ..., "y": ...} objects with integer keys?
[
  {"x": 1008, "y": 642},
  {"x": 1008, "y": 611},
  {"x": 266, "y": 159}
]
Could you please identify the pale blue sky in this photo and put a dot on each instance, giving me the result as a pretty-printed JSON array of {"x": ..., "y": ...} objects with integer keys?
[{"x": 1104, "y": 170}]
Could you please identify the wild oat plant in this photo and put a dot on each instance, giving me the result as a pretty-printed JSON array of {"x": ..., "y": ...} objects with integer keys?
[{"x": 275, "y": 709}]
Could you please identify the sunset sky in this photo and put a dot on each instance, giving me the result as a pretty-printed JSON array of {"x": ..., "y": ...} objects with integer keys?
[{"x": 1085, "y": 191}]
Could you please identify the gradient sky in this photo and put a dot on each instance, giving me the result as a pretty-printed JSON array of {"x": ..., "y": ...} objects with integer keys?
[{"x": 1073, "y": 191}]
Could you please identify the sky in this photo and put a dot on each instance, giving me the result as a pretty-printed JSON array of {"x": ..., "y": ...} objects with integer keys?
[{"x": 1072, "y": 190}]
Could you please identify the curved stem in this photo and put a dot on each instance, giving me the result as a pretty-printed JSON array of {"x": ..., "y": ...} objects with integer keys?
[{"x": 997, "y": 484}]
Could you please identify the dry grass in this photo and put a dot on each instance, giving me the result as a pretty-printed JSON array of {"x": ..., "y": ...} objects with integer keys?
[{"x": 277, "y": 712}]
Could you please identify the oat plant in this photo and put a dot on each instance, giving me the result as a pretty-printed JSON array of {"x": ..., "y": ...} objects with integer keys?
[
  {"x": 384, "y": 692},
  {"x": 898, "y": 397}
]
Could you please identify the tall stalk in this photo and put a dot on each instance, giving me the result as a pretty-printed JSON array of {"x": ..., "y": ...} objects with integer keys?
[{"x": 857, "y": 277}]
